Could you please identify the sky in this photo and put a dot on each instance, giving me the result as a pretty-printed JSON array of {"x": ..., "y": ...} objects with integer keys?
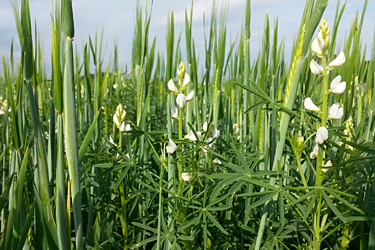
[{"x": 116, "y": 19}]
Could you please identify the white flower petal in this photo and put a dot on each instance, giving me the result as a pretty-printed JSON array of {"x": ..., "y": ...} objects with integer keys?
[
  {"x": 171, "y": 147},
  {"x": 190, "y": 95},
  {"x": 326, "y": 166},
  {"x": 315, "y": 152},
  {"x": 339, "y": 89},
  {"x": 205, "y": 126},
  {"x": 321, "y": 135},
  {"x": 174, "y": 111},
  {"x": 309, "y": 105},
  {"x": 315, "y": 46},
  {"x": 122, "y": 127},
  {"x": 181, "y": 100},
  {"x": 335, "y": 112},
  {"x": 186, "y": 81},
  {"x": 338, "y": 61},
  {"x": 336, "y": 81},
  {"x": 216, "y": 161},
  {"x": 191, "y": 136},
  {"x": 216, "y": 133},
  {"x": 316, "y": 69},
  {"x": 172, "y": 87},
  {"x": 210, "y": 141},
  {"x": 186, "y": 176},
  {"x": 199, "y": 134},
  {"x": 116, "y": 120},
  {"x": 128, "y": 127},
  {"x": 111, "y": 140}
]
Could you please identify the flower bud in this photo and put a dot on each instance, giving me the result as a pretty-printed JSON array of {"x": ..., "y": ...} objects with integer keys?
[
  {"x": 181, "y": 71},
  {"x": 324, "y": 30},
  {"x": 300, "y": 141}
]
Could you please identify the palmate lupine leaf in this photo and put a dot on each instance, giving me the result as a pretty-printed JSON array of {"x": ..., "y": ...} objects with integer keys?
[{"x": 333, "y": 207}]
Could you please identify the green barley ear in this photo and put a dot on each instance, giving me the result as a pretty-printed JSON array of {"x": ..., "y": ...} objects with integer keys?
[
  {"x": 67, "y": 18},
  {"x": 27, "y": 43},
  {"x": 294, "y": 66},
  {"x": 70, "y": 121}
]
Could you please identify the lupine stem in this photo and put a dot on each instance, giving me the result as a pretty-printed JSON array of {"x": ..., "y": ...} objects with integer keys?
[
  {"x": 318, "y": 183},
  {"x": 123, "y": 217},
  {"x": 180, "y": 138}
]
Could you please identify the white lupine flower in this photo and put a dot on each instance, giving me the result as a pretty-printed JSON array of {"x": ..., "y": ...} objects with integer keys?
[
  {"x": 186, "y": 176},
  {"x": 316, "y": 47},
  {"x": 316, "y": 69},
  {"x": 315, "y": 152},
  {"x": 172, "y": 87},
  {"x": 181, "y": 100},
  {"x": 128, "y": 127},
  {"x": 122, "y": 127},
  {"x": 321, "y": 135},
  {"x": 116, "y": 120},
  {"x": 338, "y": 61},
  {"x": 199, "y": 134},
  {"x": 205, "y": 126},
  {"x": 186, "y": 81},
  {"x": 309, "y": 105},
  {"x": 190, "y": 95},
  {"x": 115, "y": 86},
  {"x": 174, "y": 111},
  {"x": 216, "y": 161},
  {"x": 236, "y": 129},
  {"x": 191, "y": 136},
  {"x": 326, "y": 166},
  {"x": 216, "y": 133},
  {"x": 335, "y": 112},
  {"x": 337, "y": 86},
  {"x": 111, "y": 141},
  {"x": 171, "y": 147}
]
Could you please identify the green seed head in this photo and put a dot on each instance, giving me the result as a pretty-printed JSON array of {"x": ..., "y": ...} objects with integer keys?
[{"x": 300, "y": 141}]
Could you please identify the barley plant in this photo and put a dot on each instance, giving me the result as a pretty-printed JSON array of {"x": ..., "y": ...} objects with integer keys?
[{"x": 225, "y": 150}]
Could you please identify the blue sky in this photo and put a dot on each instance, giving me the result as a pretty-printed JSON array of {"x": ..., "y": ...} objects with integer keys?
[{"x": 116, "y": 19}]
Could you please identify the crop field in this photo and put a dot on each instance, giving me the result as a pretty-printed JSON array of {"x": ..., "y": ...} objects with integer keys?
[{"x": 184, "y": 151}]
